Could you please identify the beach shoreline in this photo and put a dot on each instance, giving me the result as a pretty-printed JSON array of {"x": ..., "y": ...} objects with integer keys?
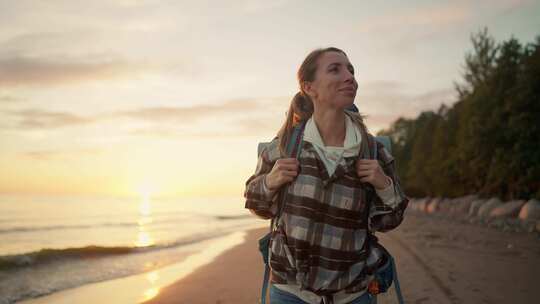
[
  {"x": 143, "y": 286},
  {"x": 216, "y": 283},
  {"x": 438, "y": 260}
]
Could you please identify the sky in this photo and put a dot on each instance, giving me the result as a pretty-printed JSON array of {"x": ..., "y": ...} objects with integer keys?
[{"x": 170, "y": 98}]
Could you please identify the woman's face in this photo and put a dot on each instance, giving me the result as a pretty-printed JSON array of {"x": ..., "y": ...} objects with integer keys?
[{"x": 334, "y": 85}]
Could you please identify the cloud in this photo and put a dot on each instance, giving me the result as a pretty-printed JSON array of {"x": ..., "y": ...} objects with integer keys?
[
  {"x": 45, "y": 57},
  {"x": 192, "y": 113},
  {"x": 508, "y": 6},
  {"x": 9, "y": 99},
  {"x": 180, "y": 116},
  {"x": 382, "y": 101},
  {"x": 254, "y": 6},
  {"x": 377, "y": 122},
  {"x": 61, "y": 155},
  {"x": 41, "y": 42},
  {"x": 440, "y": 21},
  {"x": 43, "y": 119},
  {"x": 171, "y": 133},
  {"x": 412, "y": 104},
  {"x": 24, "y": 70},
  {"x": 381, "y": 86},
  {"x": 244, "y": 117},
  {"x": 434, "y": 98},
  {"x": 440, "y": 16},
  {"x": 231, "y": 129},
  {"x": 382, "y": 107}
]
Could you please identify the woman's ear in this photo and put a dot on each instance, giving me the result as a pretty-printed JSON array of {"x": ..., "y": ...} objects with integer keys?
[{"x": 308, "y": 88}]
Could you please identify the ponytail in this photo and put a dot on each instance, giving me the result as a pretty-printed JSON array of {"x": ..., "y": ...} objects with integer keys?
[{"x": 300, "y": 109}]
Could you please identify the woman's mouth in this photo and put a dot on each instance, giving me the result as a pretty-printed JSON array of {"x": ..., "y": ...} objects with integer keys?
[{"x": 348, "y": 91}]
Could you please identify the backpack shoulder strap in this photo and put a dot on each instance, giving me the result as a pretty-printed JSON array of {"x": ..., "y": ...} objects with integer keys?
[
  {"x": 294, "y": 147},
  {"x": 371, "y": 151},
  {"x": 371, "y": 237}
]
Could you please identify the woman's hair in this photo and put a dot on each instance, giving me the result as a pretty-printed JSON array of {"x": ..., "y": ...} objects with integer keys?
[{"x": 301, "y": 107}]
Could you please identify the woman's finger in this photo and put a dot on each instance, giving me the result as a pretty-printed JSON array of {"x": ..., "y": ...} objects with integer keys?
[
  {"x": 287, "y": 161},
  {"x": 364, "y": 161},
  {"x": 286, "y": 178},
  {"x": 362, "y": 164},
  {"x": 289, "y": 173},
  {"x": 368, "y": 170},
  {"x": 366, "y": 179},
  {"x": 286, "y": 166},
  {"x": 366, "y": 167}
]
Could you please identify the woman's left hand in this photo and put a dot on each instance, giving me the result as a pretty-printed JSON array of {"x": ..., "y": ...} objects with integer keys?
[{"x": 371, "y": 172}]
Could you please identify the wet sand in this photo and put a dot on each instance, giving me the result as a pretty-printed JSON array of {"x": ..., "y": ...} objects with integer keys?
[{"x": 233, "y": 277}]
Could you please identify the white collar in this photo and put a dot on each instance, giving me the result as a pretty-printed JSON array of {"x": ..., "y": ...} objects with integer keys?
[{"x": 351, "y": 145}]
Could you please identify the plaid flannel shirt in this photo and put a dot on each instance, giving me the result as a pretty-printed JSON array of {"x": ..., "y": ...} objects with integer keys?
[{"x": 320, "y": 242}]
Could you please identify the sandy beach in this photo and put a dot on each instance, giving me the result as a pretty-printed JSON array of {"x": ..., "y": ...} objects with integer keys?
[
  {"x": 438, "y": 261},
  {"x": 233, "y": 277}
]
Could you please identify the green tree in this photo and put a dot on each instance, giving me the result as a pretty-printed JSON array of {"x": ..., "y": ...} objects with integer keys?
[{"x": 488, "y": 141}]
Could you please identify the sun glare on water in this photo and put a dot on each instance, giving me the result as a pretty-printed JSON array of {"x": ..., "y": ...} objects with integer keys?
[{"x": 144, "y": 237}]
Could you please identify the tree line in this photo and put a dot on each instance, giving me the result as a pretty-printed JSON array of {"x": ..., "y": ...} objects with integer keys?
[{"x": 488, "y": 141}]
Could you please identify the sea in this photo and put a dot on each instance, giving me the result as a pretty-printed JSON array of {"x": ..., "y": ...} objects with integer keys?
[{"x": 50, "y": 244}]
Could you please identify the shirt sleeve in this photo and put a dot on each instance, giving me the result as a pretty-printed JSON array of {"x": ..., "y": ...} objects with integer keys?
[
  {"x": 259, "y": 199},
  {"x": 388, "y": 195},
  {"x": 267, "y": 192},
  {"x": 389, "y": 204}
]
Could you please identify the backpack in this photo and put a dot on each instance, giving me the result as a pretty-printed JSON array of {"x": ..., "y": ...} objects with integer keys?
[{"x": 385, "y": 274}]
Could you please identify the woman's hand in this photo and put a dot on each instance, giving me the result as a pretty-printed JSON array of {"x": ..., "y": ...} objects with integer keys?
[
  {"x": 371, "y": 172},
  {"x": 284, "y": 171}
]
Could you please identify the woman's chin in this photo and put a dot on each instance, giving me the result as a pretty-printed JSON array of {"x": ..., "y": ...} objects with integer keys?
[{"x": 347, "y": 103}]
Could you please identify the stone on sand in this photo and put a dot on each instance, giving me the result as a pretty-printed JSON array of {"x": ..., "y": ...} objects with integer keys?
[
  {"x": 475, "y": 206},
  {"x": 530, "y": 211},
  {"x": 486, "y": 208},
  {"x": 507, "y": 210}
]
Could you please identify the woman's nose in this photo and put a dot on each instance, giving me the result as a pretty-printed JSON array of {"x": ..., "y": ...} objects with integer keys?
[{"x": 349, "y": 76}]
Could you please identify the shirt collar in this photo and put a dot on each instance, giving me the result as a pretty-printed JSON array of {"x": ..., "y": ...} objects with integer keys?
[{"x": 353, "y": 136}]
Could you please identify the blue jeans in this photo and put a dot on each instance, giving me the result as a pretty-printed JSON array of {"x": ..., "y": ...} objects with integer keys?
[{"x": 278, "y": 296}]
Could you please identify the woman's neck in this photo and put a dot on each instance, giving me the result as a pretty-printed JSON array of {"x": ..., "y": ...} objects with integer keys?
[{"x": 331, "y": 126}]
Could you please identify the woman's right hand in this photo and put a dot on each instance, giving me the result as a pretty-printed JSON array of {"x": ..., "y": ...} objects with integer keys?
[{"x": 284, "y": 171}]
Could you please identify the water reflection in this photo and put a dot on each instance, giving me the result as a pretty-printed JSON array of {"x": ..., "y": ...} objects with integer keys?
[
  {"x": 152, "y": 276},
  {"x": 145, "y": 218},
  {"x": 144, "y": 238},
  {"x": 151, "y": 292}
]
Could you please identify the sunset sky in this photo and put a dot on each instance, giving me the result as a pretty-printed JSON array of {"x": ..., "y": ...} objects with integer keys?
[{"x": 170, "y": 98}]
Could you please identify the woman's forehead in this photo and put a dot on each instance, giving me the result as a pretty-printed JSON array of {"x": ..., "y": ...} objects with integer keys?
[{"x": 329, "y": 58}]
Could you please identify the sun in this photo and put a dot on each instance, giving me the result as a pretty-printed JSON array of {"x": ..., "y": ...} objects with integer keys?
[{"x": 146, "y": 189}]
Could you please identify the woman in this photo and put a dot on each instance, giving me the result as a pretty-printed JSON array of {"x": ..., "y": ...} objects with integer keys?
[{"x": 319, "y": 252}]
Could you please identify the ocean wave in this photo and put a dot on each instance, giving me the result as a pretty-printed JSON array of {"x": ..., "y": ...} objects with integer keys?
[
  {"x": 24, "y": 229},
  {"x": 233, "y": 217},
  {"x": 48, "y": 255},
  {"x": 63, "y": 227}
]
